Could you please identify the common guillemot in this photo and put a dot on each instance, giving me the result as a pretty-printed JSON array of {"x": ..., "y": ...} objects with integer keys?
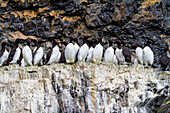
[
  {"x": 15, "y": 52},
  {"x": 4, "y": 54},
  {"x": 82, "y": 54},
  {"x": 71, "y": 52},
  {"x": 119, "y": 54},
  {"x": 148, "y": 56},
  {"x": 98, "y": 52},
  {"x": 53, "y": 54},
  {"x": 109, "y": 53},
  {"x": 38, "y": 53},
  {"x": 27, "y": 53},
  {"x": 126, "y": 52}
]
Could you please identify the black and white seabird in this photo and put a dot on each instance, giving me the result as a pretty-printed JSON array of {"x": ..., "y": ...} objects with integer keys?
[
  {"x": 59, "y": 57},
  {"x": 38, "y": 53},
  {"x": 119, "y": 54},
  {"x": 53, "y": 54},
  {"x": 63, "y": 45},
  {"x": 27, "y": 53},
  {"x": 15, "y": 52},
  {"x": 148, "y": 56},
  {"x": 139, "y": 55},
  {"x": 90, "y": 55},
  {"x": 4, "y": 54},
  {"x": 82, "y": 54},
  {"x": 98, "y": 52},
  {"x": 126, "y": 52},
  {"x": 109, "y": 53},
  {"x": 71, "y": 52}
]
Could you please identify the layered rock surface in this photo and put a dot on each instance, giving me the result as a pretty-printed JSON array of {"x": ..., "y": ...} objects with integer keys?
[{"x": 83, "y": 88}]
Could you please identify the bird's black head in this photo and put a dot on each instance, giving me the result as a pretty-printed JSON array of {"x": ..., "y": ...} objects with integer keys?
[
  {"x": 17, "y": 41},
  {"x": 29, "y": 40},
  {"x": 41, "y": 41},
  {"x": 89, "y": 43},
  {"x": 3, "y": 43},
  {"x": 110, "y": 42},
  {"x": 134, "y": 46},
  {"x": 55, "y": 42},
  {"x": 118, "y": 42}
]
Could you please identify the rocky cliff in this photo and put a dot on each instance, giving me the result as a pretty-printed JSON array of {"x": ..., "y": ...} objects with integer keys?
[
  {"x": 86, "y": 87},
  {"x": 133, "y": 20},
  {"x": 83, "y": 88}
]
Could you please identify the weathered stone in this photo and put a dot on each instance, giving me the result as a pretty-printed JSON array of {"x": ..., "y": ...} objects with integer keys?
[{"x": 83, "y": 87}]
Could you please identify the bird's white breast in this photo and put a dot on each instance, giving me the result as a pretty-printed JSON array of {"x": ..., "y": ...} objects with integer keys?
[
  {"x": 27, "y": 55},
  {"x": 83, "y": 52},
  {"x": 58, "y": 58},
  {"x": 109, "y": 55},
  {"x": 23, "y": 63},
  {"x": 76, "y": 47},
  {"x": 54, "y": 55},
  {"x": 115, "y": 61},
  {"x": 119, "y": 55},
  {"x": 4, "y": 57},
  {"x": 97, "y": 53},
  {"x": 16, "y": 56},
  {"x": 90, "y": 55},
  {"x": 139, "y": 55},
  {"x": 38, "y": 55},
  {"x": 70, "y": 53},
  {"x": 148, "y": 56}
]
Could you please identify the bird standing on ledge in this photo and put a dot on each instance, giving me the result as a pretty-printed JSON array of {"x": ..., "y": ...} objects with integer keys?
[
  {"x": 126, "y": 52},
  {"x": 4, "y": 54},
  {"x": 27, "y": 53},
  {"x": 98, "y": 52},
  {"x": 119, "y": 54},
  {"x": 109, "y": 53},
  {"x": 38, "y": 53},
  {"x": 148, "y": 56},
  {"x": 53, "y": 54},
  {"x": 15, "y": 52},
  {"x": 70, "y": 52},
  {"x": 82, "y": 54}
]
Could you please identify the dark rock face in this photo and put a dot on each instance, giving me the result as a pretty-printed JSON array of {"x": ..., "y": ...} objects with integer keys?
[
  {"x": 158, "y": 104},
  {"x": 134, "y": 20}
]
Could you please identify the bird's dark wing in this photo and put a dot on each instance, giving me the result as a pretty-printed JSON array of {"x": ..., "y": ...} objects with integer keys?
[
  {"x": 49, "y": 55},
  {"x": 11, "y": 55},
  {"x": 62, "y": 59},
  {"x": 35, "y": 51},
  {"x": 127, "y": 54},
  {"x": 76, "y": 59},
  {"x": 2, "y": 51},
  {"x": 20, "y": 58}
]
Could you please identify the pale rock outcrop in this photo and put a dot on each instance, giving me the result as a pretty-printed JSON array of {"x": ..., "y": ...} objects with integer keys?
[{"x": 80, "y": 87}]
